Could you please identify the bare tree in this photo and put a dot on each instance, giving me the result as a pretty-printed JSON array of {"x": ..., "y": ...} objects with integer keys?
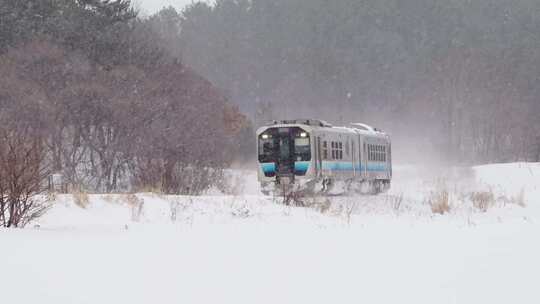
[{"x": 22, "y": 176}]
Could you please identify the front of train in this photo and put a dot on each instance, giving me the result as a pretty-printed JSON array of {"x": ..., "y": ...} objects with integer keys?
[{"x": 284, "y": 155}]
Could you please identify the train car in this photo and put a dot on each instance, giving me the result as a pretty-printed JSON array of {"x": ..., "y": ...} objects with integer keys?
[{"x": 315, "y": 155}]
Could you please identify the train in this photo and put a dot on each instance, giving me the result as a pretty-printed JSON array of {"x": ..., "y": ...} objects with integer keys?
[{"x": 314, "y": 155}]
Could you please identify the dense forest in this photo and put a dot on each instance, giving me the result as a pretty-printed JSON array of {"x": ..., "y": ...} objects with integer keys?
[
  {"x": 458, "y": 79},
  {"x": 88, "y": 91}
]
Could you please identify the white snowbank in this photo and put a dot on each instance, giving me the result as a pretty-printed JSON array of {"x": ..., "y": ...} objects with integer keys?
[{"x": 249, "y": 249}]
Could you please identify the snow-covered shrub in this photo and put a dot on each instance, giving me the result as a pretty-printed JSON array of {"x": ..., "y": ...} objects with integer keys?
[
  {"x": 295, "y": 197},
  {"x": 241, "y": 211},
  {"x": 173, "y": 207},
  {"x": 350, "y": 208},
  {"x": 322, "y": 205},
  {"x": 395, "y": 201},
  {"x": 232, "y": 183},
  {"x": 519, "y": 199}
]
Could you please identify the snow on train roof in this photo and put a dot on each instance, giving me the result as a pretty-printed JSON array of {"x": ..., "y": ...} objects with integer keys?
[
  {"x": 357, "y": 128},
  {"x": 371, "y": 131}
]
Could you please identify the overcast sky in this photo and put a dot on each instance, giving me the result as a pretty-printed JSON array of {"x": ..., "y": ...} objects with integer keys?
[{"x": 152, "y": 6}]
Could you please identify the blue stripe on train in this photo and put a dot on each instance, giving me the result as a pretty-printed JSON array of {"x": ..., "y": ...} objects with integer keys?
[
  {"x": 299, "y": 167},
  {"x": 345, "y": 166},
  {"x": 302, "y": 167},
  {"x": 268, "y": 167}
]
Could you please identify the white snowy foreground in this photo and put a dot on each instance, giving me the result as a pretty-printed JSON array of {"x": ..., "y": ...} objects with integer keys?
[{"x": 247, "y": 248}]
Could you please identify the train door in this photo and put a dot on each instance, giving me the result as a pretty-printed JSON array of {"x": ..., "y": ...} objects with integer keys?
[
  {"x": 365, "y": 163},
  {"x": 390, "y": 159},
  {"x": 353, "y": 156},
  {"x": 361, "y": 158},
  {"x": 318, "y": 165},
  {"x": 315, "y": 155}
]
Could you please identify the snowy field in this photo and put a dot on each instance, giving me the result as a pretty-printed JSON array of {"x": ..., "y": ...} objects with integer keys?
[{"x": 247, "y": 248}]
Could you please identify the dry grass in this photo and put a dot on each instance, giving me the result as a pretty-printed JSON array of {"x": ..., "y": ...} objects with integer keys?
[
  {"x": 51, "y": 196},
  {"x": 440, "y": 202},
  {"x": 483, "y": 200},
  {"x": 324, "y": 206},
  {"x": 80, "y": 198},
  {"x": 150, "y": 189},
  {"x": 136, "y": 204},
  {"x": 110, "y": 198},
  {"x": 132, "y": 200}
]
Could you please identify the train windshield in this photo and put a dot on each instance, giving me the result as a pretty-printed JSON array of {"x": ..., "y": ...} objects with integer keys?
[{"x": 284, "y": 144}]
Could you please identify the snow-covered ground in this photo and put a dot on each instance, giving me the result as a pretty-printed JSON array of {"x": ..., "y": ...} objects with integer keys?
[{"x": 247, "y": 248}]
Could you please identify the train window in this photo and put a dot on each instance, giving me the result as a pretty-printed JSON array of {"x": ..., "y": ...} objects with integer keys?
[
  {"x": 301, "y": 141},
  {"x": 325, "y": 150},
  {"x": 284, "y": 144},
  {"x": 267, "y": 148},
  {"x": 302, "y": 148},
  {"x": 337, "y": 150}
]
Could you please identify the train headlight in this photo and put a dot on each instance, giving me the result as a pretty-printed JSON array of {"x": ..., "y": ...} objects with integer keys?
[
  {"x": 303, "y": 134},
  {"x": 265, "y": 136}
]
